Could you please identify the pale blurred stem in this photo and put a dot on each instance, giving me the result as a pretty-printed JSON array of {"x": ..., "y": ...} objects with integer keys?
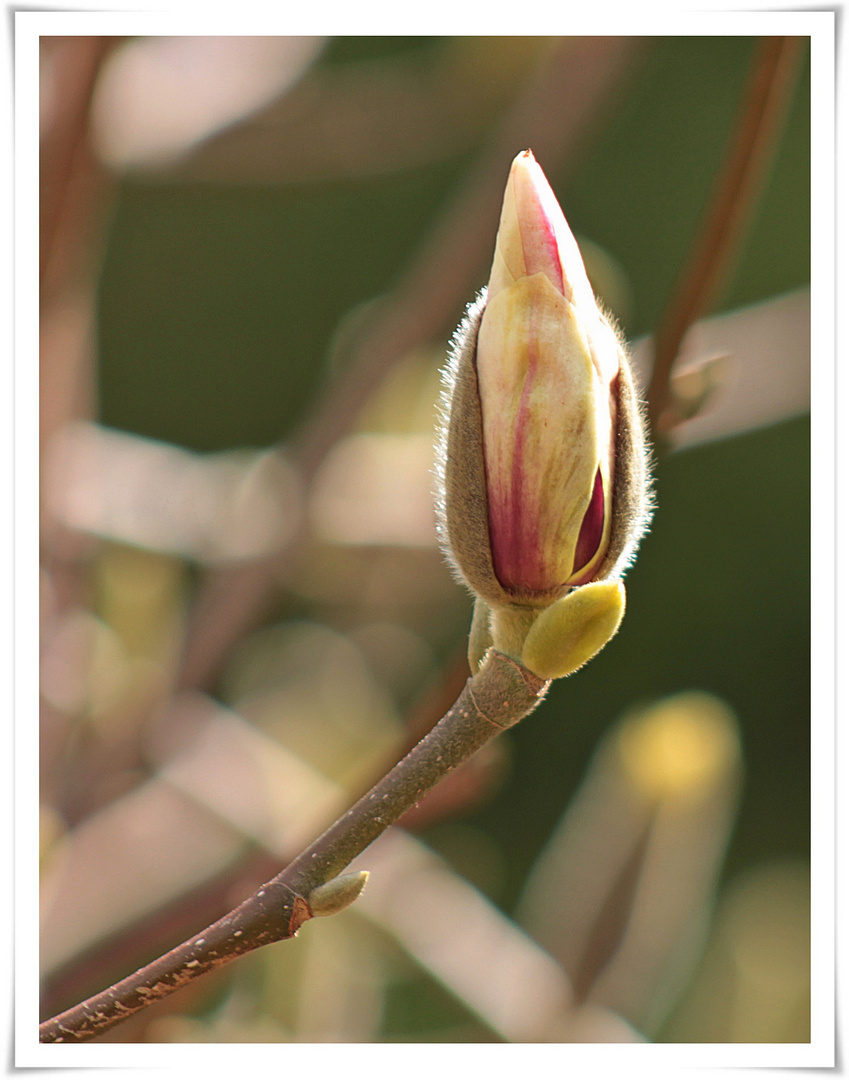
[
  {"x": 498, "y": 696},
  {"x": 74, "y": 194},
  {"x": 81, "y": 61},
  {"x": 749, "y": 152}
]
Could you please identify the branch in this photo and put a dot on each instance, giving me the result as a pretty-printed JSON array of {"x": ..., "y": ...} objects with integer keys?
[
  {"x": 496, "y": 698},
  {"x": 749, "y": 151},
  {"x": 65, "y": 150},
  {"x": 151, "y": 933}
]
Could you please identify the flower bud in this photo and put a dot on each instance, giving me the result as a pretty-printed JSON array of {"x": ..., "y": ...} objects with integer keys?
[{"x": 543, "y": 460}]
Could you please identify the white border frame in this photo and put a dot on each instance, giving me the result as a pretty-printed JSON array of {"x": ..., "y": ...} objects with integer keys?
[{"x": 367, "y": 1060}]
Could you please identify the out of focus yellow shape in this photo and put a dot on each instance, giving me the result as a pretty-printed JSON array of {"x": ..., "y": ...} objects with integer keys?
[
  {"x": 139, "y": 596},
  {"x": 680, "y": 747}
]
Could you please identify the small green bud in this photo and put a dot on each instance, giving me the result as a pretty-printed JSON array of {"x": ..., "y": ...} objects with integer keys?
[
  {"x": 337, "y": 894},
  {"x": 572, "y": 630}
]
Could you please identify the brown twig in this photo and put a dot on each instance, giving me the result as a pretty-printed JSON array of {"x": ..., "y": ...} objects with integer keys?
[
  {"x": 72, "y": 185},
  {"x": 65, "y": 150},
  {"x": 750, "y": 149},
  {"x": 498, "y": 696},
  {"x": 151, "y": 933},
  {"x": 73, "y": 198}
]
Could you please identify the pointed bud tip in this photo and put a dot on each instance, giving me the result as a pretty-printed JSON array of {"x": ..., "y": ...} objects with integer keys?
[
  {"x": 534, "y": 236},
  {"x": 529, "y": 228}
]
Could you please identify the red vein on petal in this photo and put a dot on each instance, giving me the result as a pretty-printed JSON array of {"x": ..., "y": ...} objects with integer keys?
[
  {"x": 514, "y": 529},
  {"x": 592, "y": 531}
]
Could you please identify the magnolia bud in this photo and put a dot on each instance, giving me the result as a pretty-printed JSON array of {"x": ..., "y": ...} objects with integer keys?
[{"x": 544, "y": 482}]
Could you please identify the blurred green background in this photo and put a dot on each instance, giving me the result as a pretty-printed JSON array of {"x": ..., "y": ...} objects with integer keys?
[
  {"x": 219, "y": 302},
  {"x": 218, "y": 307}
]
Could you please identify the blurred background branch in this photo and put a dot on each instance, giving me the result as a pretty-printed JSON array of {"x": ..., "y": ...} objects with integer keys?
[{"x": 752, "y": 145}]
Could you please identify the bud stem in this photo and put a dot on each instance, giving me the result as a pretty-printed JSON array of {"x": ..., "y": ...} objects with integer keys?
[{"x": 510, "y": 626}]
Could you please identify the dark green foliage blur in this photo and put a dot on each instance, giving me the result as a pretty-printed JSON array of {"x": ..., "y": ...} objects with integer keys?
[{"x": 219, "y": 305}]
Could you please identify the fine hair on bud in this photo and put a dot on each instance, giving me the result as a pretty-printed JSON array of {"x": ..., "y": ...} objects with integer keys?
[
  {"x": 633, "y": 496},
  {"x": 461, "y": 504}
]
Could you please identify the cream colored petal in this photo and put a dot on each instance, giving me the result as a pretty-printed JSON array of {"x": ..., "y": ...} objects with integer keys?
[{"x": 542, "y": 405}]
